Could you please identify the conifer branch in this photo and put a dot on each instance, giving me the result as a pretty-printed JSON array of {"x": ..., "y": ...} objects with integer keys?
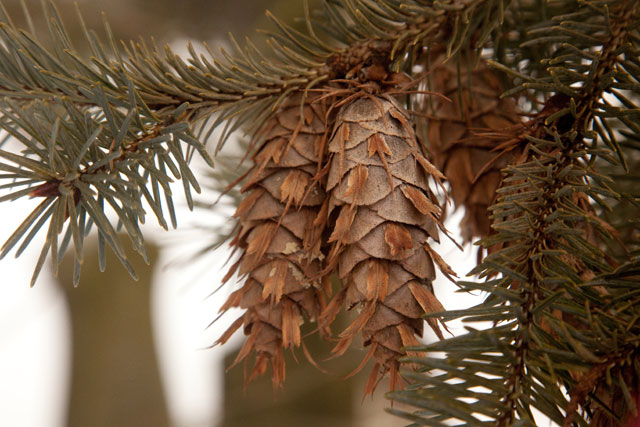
[
  {"x": 546, "y": 254},
  {"x": 77, "y": 161}
]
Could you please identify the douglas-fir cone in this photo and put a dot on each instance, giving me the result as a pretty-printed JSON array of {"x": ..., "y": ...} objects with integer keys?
[
  {"x": 378, "y": 181},
  {"x": 278, "y": 237}
]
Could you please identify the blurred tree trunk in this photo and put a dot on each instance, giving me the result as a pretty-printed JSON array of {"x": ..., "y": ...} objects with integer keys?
[{"x": 115, "y": 376}]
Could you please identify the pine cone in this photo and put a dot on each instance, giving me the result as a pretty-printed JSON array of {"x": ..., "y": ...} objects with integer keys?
[
  {"x": 385, "y": 213},
  {"x": 278, "y": 237},
  {"x": 471, "y": 138}
]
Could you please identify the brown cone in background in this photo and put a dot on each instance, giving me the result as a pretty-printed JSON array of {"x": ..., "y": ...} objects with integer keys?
[
  {"x": 385, "y": 215},
  {"x": 471, "y": 137},
  {"x": 279, "y": 238}
]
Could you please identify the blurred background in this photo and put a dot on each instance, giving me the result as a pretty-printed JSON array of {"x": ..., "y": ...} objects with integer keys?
[{"x": 113, "y": 352}]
